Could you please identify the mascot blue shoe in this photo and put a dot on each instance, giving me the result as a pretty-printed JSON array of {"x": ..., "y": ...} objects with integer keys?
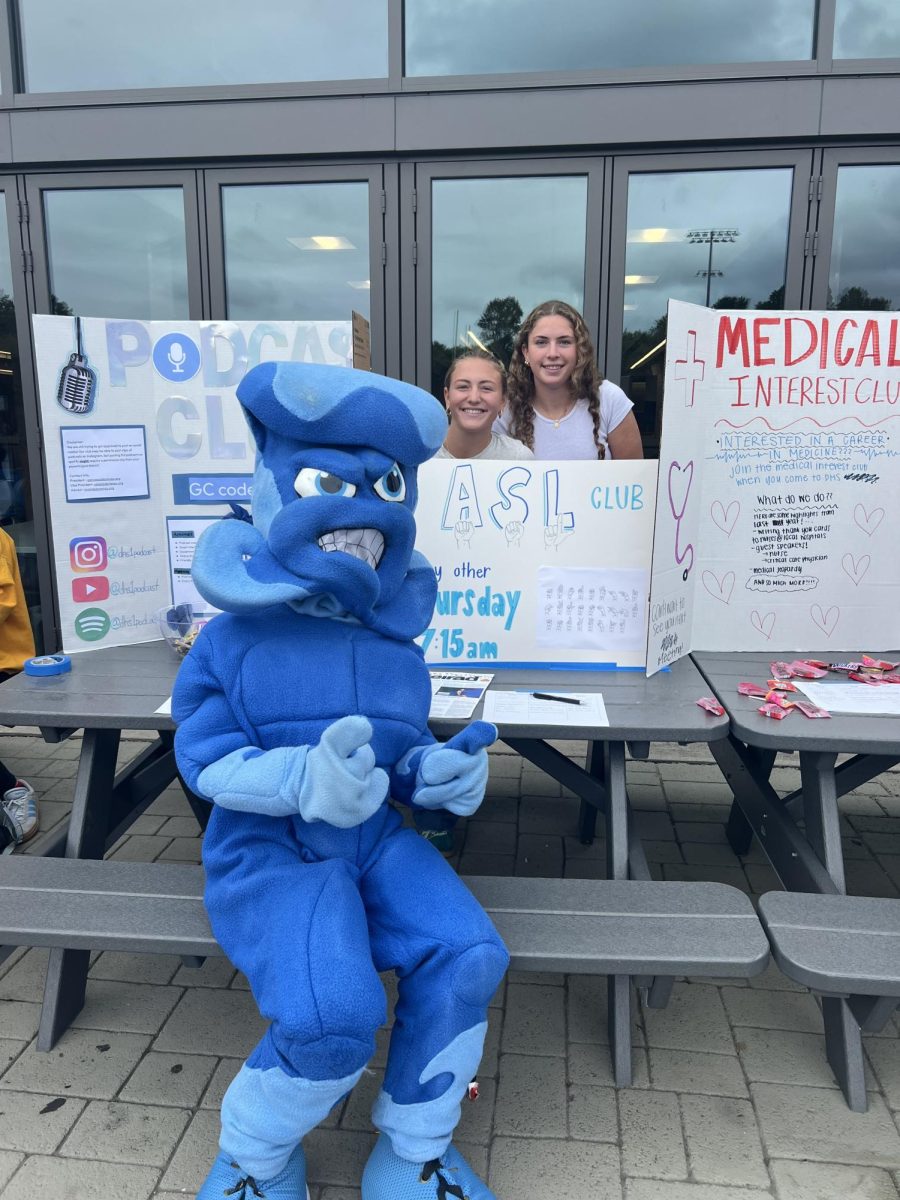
[
  {"x": 387, "y": 1176},
  {"x": 228, "y": 1179}
]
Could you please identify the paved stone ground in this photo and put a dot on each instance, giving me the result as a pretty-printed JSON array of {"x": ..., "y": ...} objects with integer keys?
[{"x": 733, "y": 1098}]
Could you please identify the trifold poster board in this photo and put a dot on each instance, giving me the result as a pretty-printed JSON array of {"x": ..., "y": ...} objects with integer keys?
[
  {"x": 779, "y": 482},
  {"x": 145, "y": 445}
]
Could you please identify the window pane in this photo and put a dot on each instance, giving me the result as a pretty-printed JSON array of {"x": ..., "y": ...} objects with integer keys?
[
  {"x": 867, "y": 29},
  {"x": 16, "y": 512},
  {"x": 508, "y": 243},
  {"x": 496, "y": 36},
  {"x": 717, "y": 238},
  {"x": 865, "y": 252},
  {"x": 107, "y": 44},
  {"x": 117, "y": 252},
  {"x": 296, "y": 251}
]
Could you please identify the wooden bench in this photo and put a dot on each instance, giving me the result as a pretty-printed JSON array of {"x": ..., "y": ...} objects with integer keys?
[
  {"x": 847, "y": 949},
  {"x": 626, "y": 929}
]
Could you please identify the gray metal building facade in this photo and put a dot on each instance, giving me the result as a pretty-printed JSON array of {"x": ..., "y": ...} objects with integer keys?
[{"x": 211, "y": 164}]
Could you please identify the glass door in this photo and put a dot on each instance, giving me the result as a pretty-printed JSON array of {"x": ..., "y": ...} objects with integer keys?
[
  {"x": 724, "y": 231},
  {"x": 492, "y": 240},
  {"x": 299, "y": 244},
  {"x": 857, "y": 262}
]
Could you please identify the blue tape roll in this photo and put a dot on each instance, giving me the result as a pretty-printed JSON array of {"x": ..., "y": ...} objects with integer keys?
[{"x": 48, "y": 664}]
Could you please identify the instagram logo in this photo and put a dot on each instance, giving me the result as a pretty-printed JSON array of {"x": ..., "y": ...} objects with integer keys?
[{"x": 88, "y": 553}]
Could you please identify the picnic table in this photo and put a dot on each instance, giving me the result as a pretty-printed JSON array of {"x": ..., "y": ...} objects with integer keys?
[
  {"x": 861, "y": 936},
  {"x": 652, "y": 930}
]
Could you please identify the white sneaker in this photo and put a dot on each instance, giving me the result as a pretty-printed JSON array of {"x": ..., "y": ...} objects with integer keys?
[{"x": 19, "y": 811}]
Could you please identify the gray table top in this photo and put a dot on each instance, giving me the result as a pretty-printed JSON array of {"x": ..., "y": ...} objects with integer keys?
[
  {"x": 841, "y": 733},
  {"x": 121, "y": 687}
]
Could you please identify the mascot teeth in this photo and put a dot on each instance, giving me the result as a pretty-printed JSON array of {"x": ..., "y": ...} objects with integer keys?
[{"x": 367, "y": 544}]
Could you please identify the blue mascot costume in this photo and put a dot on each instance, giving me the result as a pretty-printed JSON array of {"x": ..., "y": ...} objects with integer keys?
[{"x": 301, "y": 710}]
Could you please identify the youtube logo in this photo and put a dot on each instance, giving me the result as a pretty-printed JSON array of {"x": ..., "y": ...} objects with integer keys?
[{"x": 90, "y": 588}]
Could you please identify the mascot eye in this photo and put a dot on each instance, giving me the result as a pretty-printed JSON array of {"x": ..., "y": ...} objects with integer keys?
[
  {"x": 392, "y": 485},
  {"x": 311, "y": 481}
]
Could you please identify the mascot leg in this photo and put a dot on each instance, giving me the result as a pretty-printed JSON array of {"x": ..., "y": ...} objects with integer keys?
[
  {"x": 449, "y": 960},
  {"x": 298, "y": 931}
]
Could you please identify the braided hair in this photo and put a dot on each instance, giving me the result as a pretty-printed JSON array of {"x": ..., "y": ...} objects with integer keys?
[{"x": 586, "y": 377}]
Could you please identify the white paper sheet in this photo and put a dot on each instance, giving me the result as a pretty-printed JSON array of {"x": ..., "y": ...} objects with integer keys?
[
  {"x": 858, "y": 699},
  {"x": 456, "y": 693},
  {"x": 165, "y": 708},
  {"x": 592, "y": 608},
  {"x": 523, "y": 708}
]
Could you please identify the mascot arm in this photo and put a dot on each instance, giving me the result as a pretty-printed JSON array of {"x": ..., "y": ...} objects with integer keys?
[
  {"x": 453, "y": 776},
  {"x": 335, "y": 781}
]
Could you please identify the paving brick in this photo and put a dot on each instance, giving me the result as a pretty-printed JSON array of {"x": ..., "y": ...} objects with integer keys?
[
  {"x": 868, "y": 879},
  {"x": 693, "y": 1071},
  {"x": 215, "y": 972},
  {"x": 784, "y": 1056},
  {"x": 884, "y": 1055},
  {"x": 652, "y": 1142},
  {"x": 25, "y": 978},
  {"x": 587, "y": 1011},
  {"x": 85, "y": 1062},
  {"x": 10, "y": 1049},
  {"x": 567, "y": 1170},
  {"x": 213, "y": 1021},
  {"x": 537, "y": 783},
  {"x": 535, "y": 1020},
  {"x": 733, "y": 876},
  {"x": 145, "y": 848},
  {"x": 712, "y": 832},
  {"x": 531, "y": 1096},
  {"x": 694, "y": 1019},
  {"x": 772, "y": 980},
  {"x": 170, "y": 1079},
  {"x": 593, "y": 1113},
  {"x": 812, "y": 1123},
  {"x": 539, "y": 855},
  {"x": 186, "y": 850},
  {"x": 129, "y": 1007},
  {"x": 490, "y": 837},
  {"x": 19, "y": 1019},
  {"x": 218, "y": 1084},
  {"x": 337, "y": 1156},
  {"x": 36, "y": 1123},
  {"x": 827, "y": 1181},
  {"x": 190, "y": 1163},
  {"x": 73, "y": 1179},
  {"x": 772, "y": 1010},
  {"x": 651, "y": 1189},
  {"x": 690, "y": 792},
  {"x": 133, "y": 1133},
  {"x": 723, "y": 1141},
  {"x": 9, "y": 1164},
  {"x": 590, "y": 1063},
  {"x": 543, "y": 814}
]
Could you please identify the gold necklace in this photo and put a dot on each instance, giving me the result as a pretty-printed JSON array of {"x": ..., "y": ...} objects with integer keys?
[{"x": 556, "y": 420}]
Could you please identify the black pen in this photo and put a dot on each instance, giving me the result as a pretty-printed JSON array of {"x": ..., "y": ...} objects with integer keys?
[{"x": 561, "y": 699}]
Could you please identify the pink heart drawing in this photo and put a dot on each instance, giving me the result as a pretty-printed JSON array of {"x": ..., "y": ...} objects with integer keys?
[
  {"x": 826, "y": 621},
  {"x": 855, "y": 568},
  {"x": 764, "y": 624},
  {"x": 725, "y": 518},
  {"x": 720, "y": 589},
  {"x": 679, "y": 487},
  {"x": 868, "y": 521}
]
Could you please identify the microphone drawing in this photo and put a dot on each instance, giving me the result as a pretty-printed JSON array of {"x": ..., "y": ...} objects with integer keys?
[
  {"x": 176, "y": 357},
  {"x": 77, "y": 380}
]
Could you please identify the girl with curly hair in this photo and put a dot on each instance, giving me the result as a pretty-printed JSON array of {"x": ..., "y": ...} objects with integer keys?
[{"x": 558, "y": 403}]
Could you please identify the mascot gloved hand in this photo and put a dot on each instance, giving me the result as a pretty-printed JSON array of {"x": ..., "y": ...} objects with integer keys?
[
  {"x": 454, "y": 776},
  {"x": 302, "y": 711}
]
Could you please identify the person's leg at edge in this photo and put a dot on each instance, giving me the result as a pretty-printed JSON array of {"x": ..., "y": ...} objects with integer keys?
[{"x": 449, "y": 959}]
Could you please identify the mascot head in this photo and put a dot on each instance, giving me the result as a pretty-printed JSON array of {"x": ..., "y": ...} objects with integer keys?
[{"x": 333, "y": 497}]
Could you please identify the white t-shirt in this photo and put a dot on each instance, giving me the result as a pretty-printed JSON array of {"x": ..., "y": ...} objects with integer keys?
[
  {"x": 500, "y": 446},
  {"x": 573, "y": 436}
]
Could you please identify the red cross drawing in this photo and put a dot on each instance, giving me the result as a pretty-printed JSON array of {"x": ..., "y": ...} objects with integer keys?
[{"x": 694, "y": 368}]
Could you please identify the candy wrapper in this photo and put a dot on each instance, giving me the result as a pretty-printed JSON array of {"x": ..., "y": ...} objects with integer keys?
[
  {"x": 878, "y": 664},
  {"x": 780, "y": 670},
  {"x": 779, "y": 699},
  {"x": 752, "y": 689},
  {"x": 816, "y": 662},
  {"x": 773, "y": 711},
  {"x": 890, "y": 677},
  {"x": 806, "y": 670},
  {"x": 865, "y": 677},
  {"x": 846, "y": 667},
  {"x": 711, "y": 705},
  {"x": 780, "y": 685},
  {"x": 811, "y": 710}
]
